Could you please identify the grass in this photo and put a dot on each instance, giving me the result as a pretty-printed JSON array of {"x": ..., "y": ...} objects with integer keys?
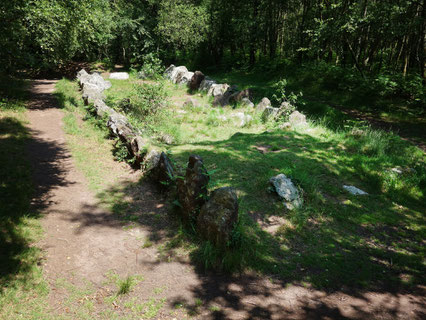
[
  {"x": 23, "y": 291},
  {"x": 336, "y": 239}
]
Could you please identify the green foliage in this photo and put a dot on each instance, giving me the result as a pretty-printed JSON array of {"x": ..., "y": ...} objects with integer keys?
[
  {"x": 148, "y": 99},
  {"x": 152, "y": 67}
]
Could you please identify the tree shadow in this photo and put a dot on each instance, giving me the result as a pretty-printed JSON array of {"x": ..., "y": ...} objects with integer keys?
[
  {"x": 24, "y": 193},
  {"x": 338, "y": 244}
]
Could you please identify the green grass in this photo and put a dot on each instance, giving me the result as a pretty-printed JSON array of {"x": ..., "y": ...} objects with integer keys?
[
  {"x": 336, "y": 239},
  {"x": 23, "y": 291}
]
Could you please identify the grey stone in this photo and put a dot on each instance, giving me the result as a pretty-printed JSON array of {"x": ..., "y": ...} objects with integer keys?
[
  {"x": 164, "y": 172},
  {"x": 262, "y": 105},
  {"x": 247, "y": 102},
  {"x": 184, "y": 78},
  {"x": 269, "y": 113},
  {"x": 243, "y": 119},
  {"x": 102, "y": 109},
  {"x": 119, "y": 75},
  {"x": 206, "y": 84},
  {"x": 296, "y": 118},
  {"x": 218, "y": 216},
  {"x": 151, "y": 160},
  {"x": 191, "y": 102},
  {"x": 354, "y": 190},
  {"x": 217, "y": 89},
  {"x": 177, "y": 73},
  {"x": 169, "y": 71},
  {"x": 287, "y": 191},
  {"x": 91, "y": 93},
  {"x": 192, "y": 190}
]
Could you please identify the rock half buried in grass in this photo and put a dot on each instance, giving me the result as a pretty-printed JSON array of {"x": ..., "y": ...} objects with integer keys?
[
  {"x": 192, "y": 190},
  {"x": 218, "y": 216},
  {"x": 164, "y": 172},
  {"x": 262, "y": 105},
  {"x": 119, "y": 75},
  {"x": 355, "y": 191},
  {"x": 287, "y": 191}
]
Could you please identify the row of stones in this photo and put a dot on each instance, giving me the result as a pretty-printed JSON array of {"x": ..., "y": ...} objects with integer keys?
[
  {"x": 214, "y": 214},
  {"x": 225, "y": 94}
]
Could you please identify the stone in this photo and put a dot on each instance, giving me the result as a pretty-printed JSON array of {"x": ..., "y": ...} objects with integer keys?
[
  {"x": 177, "y": 73},
  {"x": 287, "y": 191},
  {"x": 119, "y": 75},
  {"x": 97, "y": 80},
  {"x": 217, "y": 89},
  {"x": 91, "y": 93},
  {"x": 285, "y": 125},
  {"x": 269, "y": 113},
  {"x": 192, "y": 190},
  {"x": 240, "y": 95},
  {"x": 184, "y": 78},
  {"x": 191, "y": 103},
  {"x": 243, "y": 119},
  {"x": 246, "y": 102},
  {"x": 262, "y": 105},
  {"x": 196, "y": 80},
  {"x": 102, "y": 109},
  {"x": 206, "y": 84},
  {"x": 296, "y": 119},
  {"x": 169, "y": 71},
  {"x": 218, "y": 216},
  {"x": 166, "y": 138},
  {"x": 151, "y": 160},
  {"x": 223, "y": 99},
  {"x": 354, "y": 190},
  {"x": 164, "y": 171},
  {"x": 138, "y": 148}
]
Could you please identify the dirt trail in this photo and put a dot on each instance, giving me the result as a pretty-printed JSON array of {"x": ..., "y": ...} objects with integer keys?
[{"x": 83, "y": 242}]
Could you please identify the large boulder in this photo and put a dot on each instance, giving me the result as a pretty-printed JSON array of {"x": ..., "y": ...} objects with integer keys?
[
  {"x": 240, "y": 95},
  {"x": 242, "y": 119},
  {"x": 218, "y": 216},
  {"x": 206, "y": 84},
  {"x": 185, "y": 78},
  {"x": 164, "y": 172},
  {"x": 138, "y": 148},
  {"x": 223, "y": 99},
  {"x": 217, "y": 89},
  {"x": 269, "y": 113},
  {"x": 196, "y": 80},
  {"x": 102, "y": 109},
  {"x": 287, "y": 191},
  {"x": 192, "y": 190},
  {"x": 151, "y": 159},
  {"x": 177, "y": 73},
  {"x": 263, "y": 104},
  {"x": 82, "y": 76},
  {"x": 296, "y": 119},
  {"x": 169, "y": 71},
  {"x": 119, "y": 75},
  {"x": 91, "y": 93},
  {"x": 97, "y": 80}
]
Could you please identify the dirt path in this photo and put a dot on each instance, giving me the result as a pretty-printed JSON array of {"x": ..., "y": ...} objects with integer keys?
[{"x": 84, "y": 243}]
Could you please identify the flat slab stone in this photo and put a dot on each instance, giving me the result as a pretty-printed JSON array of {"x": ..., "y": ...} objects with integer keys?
[
  {"x": 119, "y": 75},
  {"x": 354, "y": 190}
]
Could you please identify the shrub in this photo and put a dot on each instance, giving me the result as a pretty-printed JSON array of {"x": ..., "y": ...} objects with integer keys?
[{"x": 152, "y": 67}]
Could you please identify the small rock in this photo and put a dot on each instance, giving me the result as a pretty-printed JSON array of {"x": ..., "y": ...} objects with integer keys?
[
  {"x": 243, "y": 119},
  {"x": 269, "y": 113},
  {"x": 119, "y": 75},
  {"x": 297, "y": 119},
  {"x": 218, "y": 216},
  {"x": 166, "y": 138},
  {"x": 354, "y": 190},
  {"x": 286, "y": 189},
  {"x": 247, "y": 102},
  {"x": 164, "y": 171},
  {"x": 397, "y": 170},
  {"x": 218, "y": 89},
  {"x": 206, "y": 84},
  {"x": 285, "y": 125},
  {"x": 263, "y": 104},
  {"x": 191, "y": 103}
]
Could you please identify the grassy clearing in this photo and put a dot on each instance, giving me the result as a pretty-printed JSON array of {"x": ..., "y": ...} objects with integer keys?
[
  {"x": 336, "y": 239},
  {"x": 23, "y": 290}
]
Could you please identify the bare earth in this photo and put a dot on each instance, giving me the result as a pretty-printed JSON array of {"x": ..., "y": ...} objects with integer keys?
[{"x": 84, "y": 243}]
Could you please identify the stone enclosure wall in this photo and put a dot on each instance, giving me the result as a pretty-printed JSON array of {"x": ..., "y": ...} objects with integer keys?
[{"x": 215, "y": 213}]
